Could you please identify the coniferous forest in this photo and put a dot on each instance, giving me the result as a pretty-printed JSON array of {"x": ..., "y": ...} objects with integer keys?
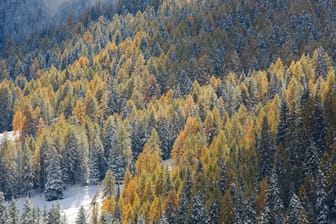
[{"x": 184, "y": 111}]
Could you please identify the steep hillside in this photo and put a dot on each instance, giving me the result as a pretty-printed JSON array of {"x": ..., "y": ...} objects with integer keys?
[{"x": 240, "y": 96}]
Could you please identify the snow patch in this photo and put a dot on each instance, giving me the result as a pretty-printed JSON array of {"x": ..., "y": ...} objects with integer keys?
[
  {"x": 74, "y": 198},
  {"x": 11, "y": 135}
]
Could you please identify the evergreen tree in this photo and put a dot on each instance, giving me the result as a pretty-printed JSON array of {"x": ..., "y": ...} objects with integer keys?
[
  {"x": 96, "y": 158},
  {"x": 296, "y": 213},
  {"x": 238, "y": 210},
  {"x": 13, "y": 213},
  {"x": 70, "y": 158},
  {"x": 265, "y": 150},
  {"x": 54, "y": 184},
  {"x": 163, "y": 219},
  {"x": 274, "y": 200},
  {"x": 284, "y": 123},
  {"x": 265, "y": 216},
  {"x": 94, "y": 166},
  {"x": 319, "y": 128},
  {"x": 214, "y": 211},
  {"x": 27, "y": 216},
  {"x": 198, "y": 211},
  {"x": 81, "y": 217},
  {"x": 109, "y": 137},
  {"x": 321, "y": 199},
  {"x": 54, "y": 215},
  {"x": 3, "y": 209},
  {"x": 182, "y": 209},
  {"x": 120, "y": 155},
  {"x": 27, "y": 171}
]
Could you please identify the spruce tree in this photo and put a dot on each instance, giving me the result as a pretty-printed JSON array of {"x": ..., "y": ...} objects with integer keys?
[
  {"x": 96, "y": 158},
  {"x": 163, "y": 219},
  {"x": 27, "y": 171},
  {"x": 296, "y": 212},
  {"x": 274, "y": 200},
  {"x": 182, "y": 209},
  {"x": 319, "y": 128},
  {"x": 54, "y": 184},
  {"x": 13, "y": 213},
  {"x": 54, "y": 215},
  {"x": 70, "y": 158},
  {"x": 27, "y": 216},
  {"x": 81, "y": 217},
  {"x": 265, "y": 150},
  {"x": 214, "y": 211},
  {"x": 198, "y": 211},
  {"x": 3, "y": 209},
  {"x": 321, "y": 199},
  {"x": 284, "y": 123}
]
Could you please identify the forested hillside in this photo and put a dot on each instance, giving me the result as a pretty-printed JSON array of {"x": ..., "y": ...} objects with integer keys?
[{"x": 240, "y": 95}]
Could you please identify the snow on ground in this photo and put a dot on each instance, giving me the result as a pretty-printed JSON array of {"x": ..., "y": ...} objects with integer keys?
[
  {"x": 11, "y": 135},
  {"x": 74, "y": 198},
  {"x": 169, "y": 163}
]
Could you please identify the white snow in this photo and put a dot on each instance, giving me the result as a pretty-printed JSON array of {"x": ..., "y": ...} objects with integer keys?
[
  {"x": 168, "y": 163},
  {"x": 11, "y": 135},
  {"x": 74, "y": 198}
]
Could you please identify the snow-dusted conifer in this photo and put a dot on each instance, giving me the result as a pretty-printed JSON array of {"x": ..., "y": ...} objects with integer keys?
[
  {"x": 27, "y": 216},
  {"x": 13, "y": 213},
  {"x": 54, "y": 185},
  {"x": 81, "y": 217},
  {"x": 3, "y": 209}
]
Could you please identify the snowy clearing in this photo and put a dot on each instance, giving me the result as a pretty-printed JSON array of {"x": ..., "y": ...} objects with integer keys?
[
  {"x": 11, "y": 135},
  {"x": 74, "y": 198}
]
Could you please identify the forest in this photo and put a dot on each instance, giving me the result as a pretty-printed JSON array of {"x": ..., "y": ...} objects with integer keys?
[{"x": 240, "y": 96}]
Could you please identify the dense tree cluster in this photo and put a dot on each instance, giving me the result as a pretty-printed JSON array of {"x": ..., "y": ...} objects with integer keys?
[{"x": 250, "y": 134}]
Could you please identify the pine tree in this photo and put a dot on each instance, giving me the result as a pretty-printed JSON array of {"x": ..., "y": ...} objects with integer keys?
[
  {"x": 43, "y": 154},
  {"x": 109, "y": 137},
  {"x": 296, "y": 213},
  {"x": 54, "y": 215},
  {"x": 94, "y": 166},
  {"x": 284, "y": 123},
  {"x": 321, "y": 200},
  {"x": 163, "y": 219},
  {"x": 319, "y": 128},
  {"x": 214, "y": 211},
  {"x": 274, "y": 200},
  {"x": 3, "y": 209},
  {"x": 223, "y": 176},
  {"x": 109, "y": 185},
  {"x": 27, "y": 171},
  {"x": 81, "y": 217},
  {"x": 70, "y": 158},
  {"x": 265, "y": 150},
  {"x": 54, "y": 184},
  {"x": 120, "y": 155},
  {"x": 13, "y": 213},
  {"x": 182, "y": 209},
  {"x": 96, "y": 158},
  {"x": 27, "y": 216},
  {"x": 198, "y": 211},
  {"x": 265, "y": 216}
]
